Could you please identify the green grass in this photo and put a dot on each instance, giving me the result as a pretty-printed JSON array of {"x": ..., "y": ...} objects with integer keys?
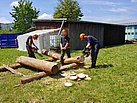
[
  {"x": 113, "y": 80},
  {"x": 8, "y": 31}
]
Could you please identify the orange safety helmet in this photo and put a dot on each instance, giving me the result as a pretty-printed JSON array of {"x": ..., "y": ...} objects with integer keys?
[
  {"x": 82, "y": 36},
  {"x": 35, "y": 36}
]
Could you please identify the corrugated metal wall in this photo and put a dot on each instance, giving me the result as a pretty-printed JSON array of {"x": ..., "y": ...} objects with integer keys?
[
  {"x": 107, "y": 34},
  {"x": 75, "y": 29},
  {"x": 114, "y": 35},
  {"x": 49, "y": 25}
]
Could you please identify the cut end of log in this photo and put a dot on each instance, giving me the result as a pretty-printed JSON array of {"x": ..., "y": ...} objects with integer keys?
[
  {"x": 82, "y": 58},
  {"x": 55, "y": 69}
]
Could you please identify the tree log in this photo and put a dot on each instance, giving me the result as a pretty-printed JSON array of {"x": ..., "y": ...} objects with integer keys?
[
  {"x": 72, "y": 65},
  {"x": 13, "y": 71},
  {"x": 2, "y": 68},
  {"x": 49, "y": 59},
  {"x": 51, "y": 54},
  {"x": 30, "y": 78},
  {"x": 78, "y": 59},
  {"x": 46, "y": 66}
]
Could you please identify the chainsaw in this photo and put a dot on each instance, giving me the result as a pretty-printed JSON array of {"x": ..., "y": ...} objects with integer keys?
[
  {"x": 86, "y": 52},
  {"x": 35, "y": 50}
]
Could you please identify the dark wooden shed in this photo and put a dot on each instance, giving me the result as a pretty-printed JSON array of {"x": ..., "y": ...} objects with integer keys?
[{"x": 107, "y": 34}]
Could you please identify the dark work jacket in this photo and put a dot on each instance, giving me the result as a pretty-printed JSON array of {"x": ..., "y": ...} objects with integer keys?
[
  {"x": 92, "y": 40},
  {"x": 65, "y": 40},
  {"x": 27, "y": 42}
]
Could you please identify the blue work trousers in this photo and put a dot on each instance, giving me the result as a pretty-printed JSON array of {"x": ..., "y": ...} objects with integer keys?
[
  {"x": 63, "y": 51},
  {"x": 94, "y": 54}
]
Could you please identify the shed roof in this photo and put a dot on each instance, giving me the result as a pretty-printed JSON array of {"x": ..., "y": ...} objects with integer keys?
[
  {"x": 71, "y": 21},
  {"x": 40, "y": 32}
]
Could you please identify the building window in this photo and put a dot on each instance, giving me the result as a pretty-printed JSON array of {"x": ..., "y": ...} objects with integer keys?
[
  {"x": 132, "y": 33},
  {"x": 128, "y": 33}
]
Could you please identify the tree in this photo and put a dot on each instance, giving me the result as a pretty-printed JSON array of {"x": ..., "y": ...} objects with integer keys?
[
  {"x": 68, "y": 9},
  {"x": 23, "y": 15}
]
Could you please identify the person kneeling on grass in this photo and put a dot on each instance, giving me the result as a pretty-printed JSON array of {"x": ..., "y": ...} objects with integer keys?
[
  {"x": 92, "y": 43},
  {"x": 29, "y": 44}
]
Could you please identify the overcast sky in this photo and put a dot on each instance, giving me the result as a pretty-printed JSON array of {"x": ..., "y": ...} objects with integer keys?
[{"x": 93, "y": 10}]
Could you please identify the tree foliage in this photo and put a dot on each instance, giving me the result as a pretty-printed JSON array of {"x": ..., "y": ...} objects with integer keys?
[
  {"x": 23, "y": 15},
  {"x": 68, "y": 9}
]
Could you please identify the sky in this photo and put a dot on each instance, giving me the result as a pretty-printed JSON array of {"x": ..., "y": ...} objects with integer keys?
[{"x": 94, "y": 10}]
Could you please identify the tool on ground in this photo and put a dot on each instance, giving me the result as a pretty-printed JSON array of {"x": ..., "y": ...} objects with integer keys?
[{"x": 86, "y": 52}]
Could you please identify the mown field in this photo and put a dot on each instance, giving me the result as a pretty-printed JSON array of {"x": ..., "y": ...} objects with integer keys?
[{"x": 114, "y": 80}]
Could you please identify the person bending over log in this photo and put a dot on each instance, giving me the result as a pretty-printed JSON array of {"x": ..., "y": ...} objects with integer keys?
[
  {"x": 94, "y": 45},
  {"x": 30, "y": 44}
]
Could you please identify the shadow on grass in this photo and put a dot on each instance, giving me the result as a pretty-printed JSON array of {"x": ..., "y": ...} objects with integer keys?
[
  {"x": 56, "y": 76},
  {"x": 31, "y": 68},
  {"x": 59, "y": 75},
  {"x": 102, "y": 66}
]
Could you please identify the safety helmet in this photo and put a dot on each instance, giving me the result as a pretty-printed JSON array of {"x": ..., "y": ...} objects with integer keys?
[
  {"x": 35, "y": 36},
  {"x": 82, "y": 36}
]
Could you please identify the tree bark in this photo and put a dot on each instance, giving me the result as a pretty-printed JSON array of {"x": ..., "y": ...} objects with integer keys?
[
  {"x": 72, "y": 65},
  {"x": 30, "y": 78},
  {"x": 49, "y": 59},
  {"x": 2, "y": 68},
  {"x": 78, "y": 59},
  {"x": 51, "y": 54},
  {"x": 13, "y": 71},
  {"x": 46, "y": 66}
]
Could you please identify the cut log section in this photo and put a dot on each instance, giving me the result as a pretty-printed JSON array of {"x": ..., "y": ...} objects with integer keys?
[
  {"x": 51, "y": 54},
  {"x": 78, "y": 59},
  {"x": 30, "y": 78},
  {"x": 13, "y": 71},
  {"x": 17, "y": 65},
  {"x": 46, "y": 66},
  {"x": 72, "y": 65},
  {"x": 49, "y": 59}
]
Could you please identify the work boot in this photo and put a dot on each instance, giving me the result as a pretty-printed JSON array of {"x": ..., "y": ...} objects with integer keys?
[{"x": 93, "y": 66}]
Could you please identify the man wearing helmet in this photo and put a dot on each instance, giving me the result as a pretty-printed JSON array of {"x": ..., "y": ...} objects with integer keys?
[
  {"x": 30, "y": 43},
  {"x": 92, "y": 43}
]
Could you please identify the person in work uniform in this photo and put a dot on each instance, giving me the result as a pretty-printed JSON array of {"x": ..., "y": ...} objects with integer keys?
[
  {"x": 93, "y": 44},
  {"x": 64, "y": 45},
  {"x": 30, "y": 44}
]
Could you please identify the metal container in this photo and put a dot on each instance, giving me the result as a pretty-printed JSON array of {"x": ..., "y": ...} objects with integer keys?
[{"x": 55, "y": 41}]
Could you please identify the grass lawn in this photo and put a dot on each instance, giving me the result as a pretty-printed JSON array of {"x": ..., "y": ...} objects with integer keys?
[{"x": 114, "y": 80}]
